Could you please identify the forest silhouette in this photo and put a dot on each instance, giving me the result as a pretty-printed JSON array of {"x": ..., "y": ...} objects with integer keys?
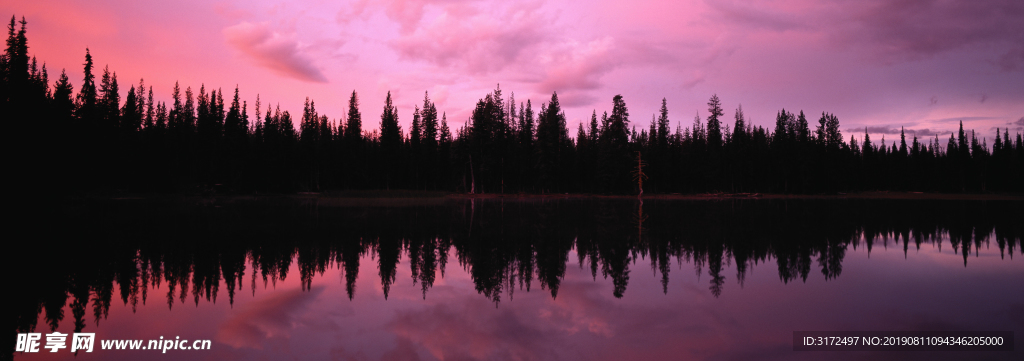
[{"x": 92, "y": 140}]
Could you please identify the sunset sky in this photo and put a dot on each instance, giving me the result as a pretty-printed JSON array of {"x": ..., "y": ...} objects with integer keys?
[{"x": 919, "y": 64}]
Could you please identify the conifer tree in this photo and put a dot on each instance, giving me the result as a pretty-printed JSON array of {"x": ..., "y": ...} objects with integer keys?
[
  {"x": 235, "y": 126},
  {"x": 390, "y": 131},
  {"x": 15, "y": 71},
  {"x": 903, "y": 143},
  {"x": 802, "y": 129},
  {"x": 218, "y": 116},
  {"x": 552, "y": 137},
  {"x": 618, "y": 123},
  {"x": 445, "y": 137},
  {"x": 429, "y": 116},
  {"x": 390, "y": 141},
  {"x": 174, "y": 117},
  {"x": 739, "y": 132},
  {"x": 416, "y": 133},
  {"x": 63, "y": 104},
  {"x": 140, "y": 94},
  {"x": 963, "y": 150},
  {"x": 663, "y": 124},
  {"x": 149, "y": 109},
  {"x": 354, "y": 126},
  {"x": 309, "y": 128},
  {"x": 204, "y": 121},
  {"x": 781, "y": 135},
  {"x": 714, "y": 123},
  {"x": 188, "y": 114},
  {"x": 832, "y": 132},
  {"x": 526, "y": 126},
  {"x": 868, "y": 148},
  {"x": 131, "y": 116},
  {"x": 109, "y": 102}
]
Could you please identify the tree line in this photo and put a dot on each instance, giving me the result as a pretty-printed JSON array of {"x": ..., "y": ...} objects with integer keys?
[{"x": 94, "y": 140}]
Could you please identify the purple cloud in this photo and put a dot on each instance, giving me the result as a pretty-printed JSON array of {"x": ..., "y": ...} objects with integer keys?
[
  {"x": 749, "y": 15},
  {"x": 887, "y": 129},
  {"x": 925, "y": 27},
  {"x": 579, "y": 66},
  {"x": 896, "y": 30},
  {"x": 478, "y": 43},
  {"x": 1018, "y": 125},
  {"x": 273, "y": 51},
  {"x": 520, "y": 42},
  {"x": 575, "y": 69}
]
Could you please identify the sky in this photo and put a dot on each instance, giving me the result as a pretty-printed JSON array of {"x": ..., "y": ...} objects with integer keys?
[{"x": 878, "y": 65}]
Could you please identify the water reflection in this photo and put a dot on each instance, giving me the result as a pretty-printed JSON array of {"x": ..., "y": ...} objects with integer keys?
[{"x": 193, "y": 248}]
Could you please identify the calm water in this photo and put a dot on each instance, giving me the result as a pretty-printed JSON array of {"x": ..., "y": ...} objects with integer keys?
[{"x": 574, "y": 279}]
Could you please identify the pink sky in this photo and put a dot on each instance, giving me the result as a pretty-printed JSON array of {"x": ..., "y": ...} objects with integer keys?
[{"x": 919, "y": 64}]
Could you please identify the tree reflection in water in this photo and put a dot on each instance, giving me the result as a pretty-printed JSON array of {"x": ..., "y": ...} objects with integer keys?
[{"x": 199, "y": 247}]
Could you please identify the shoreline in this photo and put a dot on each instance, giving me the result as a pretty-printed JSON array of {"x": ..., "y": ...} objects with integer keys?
[
  {"x": 755, "y": 196},
  {"x": 370, "y": 197}
]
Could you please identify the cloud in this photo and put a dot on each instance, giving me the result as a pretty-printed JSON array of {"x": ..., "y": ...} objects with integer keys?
[
  {"x": 1018, "y": 125},
  {"x": 519, "y": 41},
  {"x": 894, "y": 30},
  {"x": 922, "y": 132},
  {"x": 750, "y": 15},
  {"x": 959, "y": 119},
  {"x": 471, "y": 44},
  {"x": 876, "y": 129},
  {"x": 477, "y": 42},
  {"x": 406, "y": 13},
  {"x": 925, "y": 27},
  {"x": 575, "y": 69},
  {"x": 579, "y": 65},
  {"x": 256, "y": 322},
  {"x": 352, "y": 11},
  {"x": 886, "y": 129},
  {"x": 273, "y": 51}
]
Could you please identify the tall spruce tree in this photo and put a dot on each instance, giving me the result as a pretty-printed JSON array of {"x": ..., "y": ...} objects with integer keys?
[
  {"x": 429, "y": 117},
  {"x": 354, "y": 125},
  {"x": 390, "y": 142},
  {"x": 552, "y": 139},
  {"x": 714, "y": 123},
  {"x": 663, "y": 125},
  {"x": 739, "y": 132},
  {"x": 416, "y": 133}
]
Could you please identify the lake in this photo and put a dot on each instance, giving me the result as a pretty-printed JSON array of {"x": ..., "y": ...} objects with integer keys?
[{"x": 293, "y": 277}]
